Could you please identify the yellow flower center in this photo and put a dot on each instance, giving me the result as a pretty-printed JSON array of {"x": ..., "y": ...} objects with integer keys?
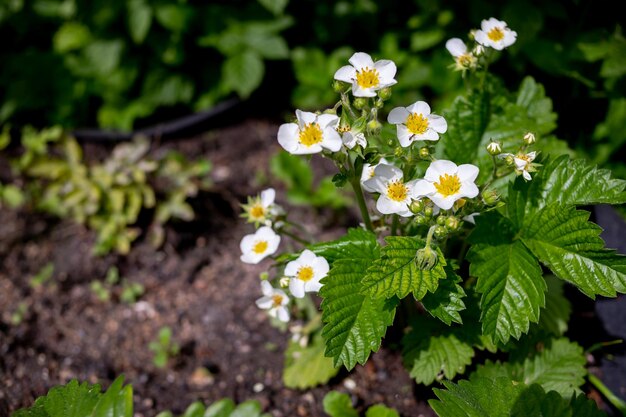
[
  {"x": 397, "y": 191},
  {"x": 496, "y": 34},
  {"x": 343, "y": 128},
  {"x": 257, "y": 211},
  {"x": 524, "y": 157},
  {"x": 448, "y": 185},
  {"x": 305, "y": 273},
  {"x": 465, "y": 60},
  {"x": 260, "y": 247},
  {"x": 367, "y": 78},
  {"x": 277, "y": 299},
  {"x": 417, "y": 123},
  {"x": 311, "y": 134}
]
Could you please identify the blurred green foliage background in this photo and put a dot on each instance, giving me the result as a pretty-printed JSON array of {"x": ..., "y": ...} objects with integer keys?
[{"x": 128, "y": 63}]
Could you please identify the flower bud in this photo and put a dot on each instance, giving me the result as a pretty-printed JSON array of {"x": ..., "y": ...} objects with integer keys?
[
  {"x": 426, "y": 258},
  {"x": 330, "y": 111},
  {"x": 478, "y": 50},
  {"x": 416, "y": 206},
  {"x": 420, "y": 220},
  {"x": 284, "y": 282},
  {"x": 494, "y": 148},
  {"x": 529, "y": 138},
  {"x": 398, "y": 152},
  {"x": 441, "y": 220},
  {"x": 339, "y": 86},
  {"x": 424, "y": 152},
  {"x": 379, "y": 104},
  {"x": 440, "y": 232},
  {"x": 428, "y": 211},
  {"x": 459, "y": 203},
  {"x": 374, "y": 127},
  {"x": 510, "y": 160},
  {"x": 384, "y": 93},
  {"x": 490, "y": 197},
  {"x": 453, "y": 223},
  {"x": 359, "y": 103},
  {"x": 264, "y": 276}
]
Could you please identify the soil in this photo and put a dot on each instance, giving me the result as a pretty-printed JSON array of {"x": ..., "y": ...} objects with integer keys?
[{"x": 194, "y": 284}]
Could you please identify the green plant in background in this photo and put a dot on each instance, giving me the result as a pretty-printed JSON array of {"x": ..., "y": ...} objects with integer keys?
[
  {"x": 470, "y": 201},
  {"x": 221, "y": 408},
  {"x": 163, "y": 347},
  {"x": 337, "y": 404},
  {"x": 108, "y": 197},
  {"x": 42, "y": 277},
  {"x": 130, "y": 291}
]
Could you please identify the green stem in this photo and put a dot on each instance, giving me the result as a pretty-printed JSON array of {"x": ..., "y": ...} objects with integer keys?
[
  {"x": 360, "y": 199},
  {"x": 615, "y": 401},
  {"x": 294, "y": 237}
]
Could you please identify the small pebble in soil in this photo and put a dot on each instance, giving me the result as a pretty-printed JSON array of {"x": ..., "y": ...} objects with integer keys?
[
  {"x": 258, "y": 387},
  {"x": 349, "y": 384}
]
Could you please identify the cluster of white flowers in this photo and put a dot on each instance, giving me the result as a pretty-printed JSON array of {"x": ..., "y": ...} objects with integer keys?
[
  {"x": 301, "y": 275},
  {"x": 493, "y": 33}
]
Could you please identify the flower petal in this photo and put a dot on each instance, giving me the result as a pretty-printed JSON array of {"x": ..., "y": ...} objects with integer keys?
[
  {"x": 265, "y": 302},
  {"x": 456, "y": 47},
  {"x": 444, "y": 203},
  {"x": 437, "y": 123},
  {"x": 468, "y": 189},
  {"x": 305, "y": 117},
  {"x": 430, "y": 134},
  {"x": 419, "y": 107},
  {"x": 361, "y": 60},
  {"x": 296, "y": 287},
  {"x": 398, "y": 115},
  {"x": 467, "y": 172},
  {"x": 327, "y": 120},
  {"x": 346, "y": 74},
  {"x": 405, "y": 137},
  {"x": 267, "y": 288},
  {"x": 292, "y": 268},
  {"x": 267, "y": 197},
  {"x": 331, "y": 140},
  {"x": 438, "y": 168},
  {"x": 312, "y": 286},
  {"x": 387, "y": 206},
  {"x": 422, "y": 188},
  {"x": 387, "y": 171},
  {"x": 288, "y": 136},
  {"x": 482, "y": 38},
  {"x": 283, "y": 314},
  {"x": 358, "y": 91},
  {"x": 386, "y": 70}
]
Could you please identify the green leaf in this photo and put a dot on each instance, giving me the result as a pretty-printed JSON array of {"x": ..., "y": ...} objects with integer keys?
[
  {"x": 356, "y": 243},
  {"x": 433, "y": 355},
  {"x": 534, "y": 401},
  {"x": 139, "y": 19},
  {"x": 221, "y": 408},
  {"x": 248, "y": 408},
  {"x": 426, "y": 39},
  {"x": 174, "y": 17},
  {"x": 73, "y": 399},
  {"x": 337, "y": 404},
  {"x": 117, "y": 401},
  {"x": 446, "y": 302},
  {"x": 509, "y": 279},
  {"x": 585, "y": 407},
  {"x": 467, "y": 120},
  {"x": 380, "y": 410},
  {"x": 555, "y": 316},
  {"x": 276, "y": 7},
  {"x": 195, "y": 409},
  {"x": 563, "y": 239},
  {"x": 268, "y": 46},
  {"x": 71, "y": 36},
  {"x": 243, "y": 73},
  {"x": 306, "y": 367},
  {"x": 396, "y": 273}
]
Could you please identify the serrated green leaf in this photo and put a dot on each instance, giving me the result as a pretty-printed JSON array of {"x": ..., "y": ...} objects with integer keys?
[
  {"x": 534, "y": 401},
  {"x": 354, "y": 323},
  {"x": 306, "y": 367},
  {"x": 396, "y": 273},
  {"x": 433, "y": 351},
  {"x": 380, "y": 410},
  {"x": 337, "y": 404},
  {"x": 563, "y": 239},
  {"x": 195, "y": 409},
  {"x": 356, "y": 243},
  {"x": 509, "y": 279},
  {"x": 248, "y": 408},
  {"x": 117, "y": 401},
  {"x": 73, "y": 399},
  {"x": 555, "y": 316},
  {"x": 585, "y": 407},
  {"x": 243, "y": 72},
  {"x": 221, "y": 408},
  {"x": 446, "y": 302}
]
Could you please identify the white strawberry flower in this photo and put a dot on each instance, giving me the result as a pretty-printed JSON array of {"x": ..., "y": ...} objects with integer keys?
[
  {"x": 463, "y": 58},
  {"x": 305, "y": 273},
  {"x": 367, "y": 76},
  {"x": 351, "y": 138},
  {"x": 416, "y": 123},
  {"x": 445, "y": 182},
  {"x": 261, "y": 209},
  {"x": 395, "y": 194},
  {"x": 255, "y": 247},
  {"x": 311, "y": 134},
  {"x": 275, "y": 301},
  {"x": 524, "y": 164},
  {"x": 495, "y": 34},
  {"x": 368, "y": 173}
]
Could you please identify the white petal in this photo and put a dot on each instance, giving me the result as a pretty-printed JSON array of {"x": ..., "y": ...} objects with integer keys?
[
  {"x": 296, "y": 287},
  {"x": 445, "y": 203},
  {"x": 305, "y": 117},
  {"x": 267, "y": 288},
  {"x": 386, "y": 70},
  {"x": 246, "y": 243},
  {"x": 467, "y": 172},
  {"x": 375, "y": 185},
  {"x": 527, "y": 176},
  {"x": 438, "y": 168},
  {"x": 437, "y": 123},
  {"x": 361, "y": 60},
  {"x": 405, "y": 213},
  {"x": 327, "y": 120},
  {"x": 292, "y": 268},
  {"x": 331, "y": 140},
  {"x": 405, "y": 137},
  {"x": 456, "y": 47},
  {"x": 482, "y": 38},
  {"x": 422, "y": 188},
  {"x": 470, "y": 218},
  {"x": 307, "y": 257},
  {"x": 419, "y": 107},
  {"x": 430, "y": 134},
  {"x": 265, "y": 303},
  {"x": 387, "y": 206},
  {"x": 510, "y": 37},
  {"x": 388, "y": 172},
  {"x": 468, "y": 189},
  {"x": 487, "y": 25},
  {"x": 312, "y": 286},
  {"x": 532, "y": 155},
  {"x": 283, "y": 314},
  {"x": 251, "y": 258},
  {"x": 288, "y": 136},
  {"x": 520, "y": 163},
  {"x": 320, "y": 268},
  {"x": 267, "y": 197},
  {"x": 398, "y": 115},
  {"x": 346, "y": 73},
  {"x": 307, "y": 150},
  {"x": 358, "y": 91}
]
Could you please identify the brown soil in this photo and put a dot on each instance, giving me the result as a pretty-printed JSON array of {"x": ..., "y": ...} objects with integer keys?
[{"x": 195, "y": 284}]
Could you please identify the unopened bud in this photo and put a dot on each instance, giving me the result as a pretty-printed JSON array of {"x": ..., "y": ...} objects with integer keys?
[
  {"x": 459, "y": 203},
  {"x": 494, "y": 148},
  {"x": 529, "y": 138},
  {"x": 420, "y": 220},
  {"x": 263, "y": 276},
  {"x": 440, "y": 232},
  {"x": 379, "y": 104},
  {"x": 339, "y": 86},
  {"x": 426, "y": 258},
  {"x": 398, "y": 152},
  {"x": 479, "y": 50},
  {"x": 384, "y": 93},
  {"x": 490, "y": 197},
  {"x": 374, "y": 127},
  {"x": 359, "y": 103},
  {"x": 416, "y": 206},
  {"x": 428, "y": 211},
  {"x": 284, "y": 282},
  {"x": 452, "y": 223},
  {"x": 424, "y": 152},
  {"x": 510, "y": 160},
  {"x": 441, "y": 220},
  {"x": 330, "y": 111}
]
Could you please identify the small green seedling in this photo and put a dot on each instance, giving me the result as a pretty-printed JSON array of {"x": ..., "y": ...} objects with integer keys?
[{"x": 163, "y": 347}]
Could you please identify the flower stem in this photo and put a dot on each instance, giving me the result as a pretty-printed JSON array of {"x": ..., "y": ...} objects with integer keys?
[
  {"x": 358, "y": 191},
  {"x": 294, "y": 236},
  {"x": 615, "y": 401}
]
